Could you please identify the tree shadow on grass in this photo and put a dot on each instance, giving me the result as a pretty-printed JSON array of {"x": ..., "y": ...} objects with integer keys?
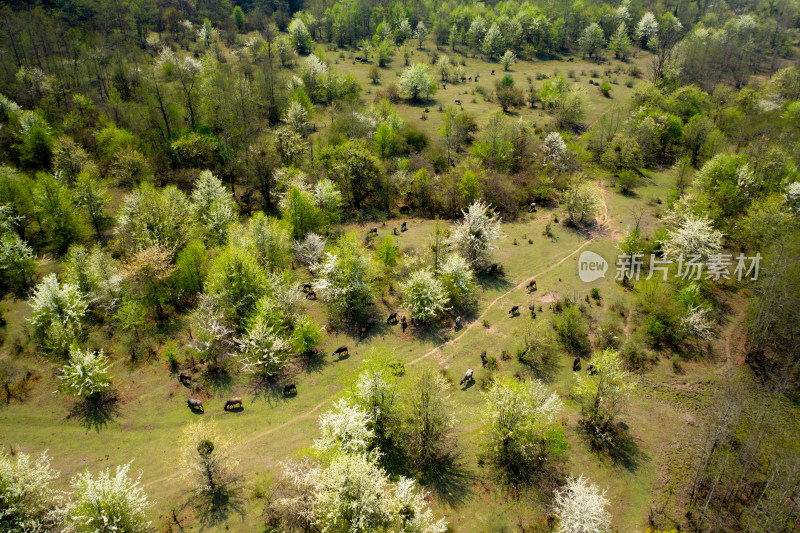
[
  {"x": 489, "y": 282},
  {"x": 543, "y": 369},
  {"x": 616, "y": 441},
  {"x": 97, "y": 411},
  {"x": 266, "y": 389},
  {"x": 212, "y": 508},
  {"x": 449, "y": 479}
]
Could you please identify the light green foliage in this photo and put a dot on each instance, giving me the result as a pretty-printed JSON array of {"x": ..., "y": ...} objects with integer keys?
[
  {"x": 620, "y": 43},
  {"x": 95, "y": 273},
  {"x": 213, "y": 206},
  {"x": 469, "y": 186},
  {"x": 17, "y": 262},
  {"x": 191, "y": 269},
  {"x": 553, "y": 91},
  {"x": 92, "y": 197},
  {"x": 604, "y": 394},
  {"x": 299, "y": 209},
  {"x": 345, "y": 277},
  {"x": 387, "y": 252},
  {"x": 235, "y": 281},
  {"x": 55, "y": 209},
  {"x": 57, "y": 311},
  {"x": 457, "y": 279},
  {"x": 306, "y": 335},
  {"x": 238, "y": 18},
  {"x": 583, "y": 201},
  {"x": 376, "y": 391},
  {"x": 269, "y": 238},
  {"x": 424, "y": 295},
  {"x": 592, "y": 40},
  {"x": 622, "y": 153},
  {"x": 28, "y": 500},
  {"x": 149, "y": 216},
  {"x": 520, "y": 425},
  {"x": 86, "y": 373},
  {"x": 34, "y": 141},
  {"x": 508, "y": 59},
  {"x": 353, "y": 167},
  {"x": 416, "y": 83}
]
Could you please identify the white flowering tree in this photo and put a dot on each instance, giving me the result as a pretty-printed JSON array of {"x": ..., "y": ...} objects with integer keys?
[
  {"x": 555, "y": 150},
  {"x": 520, "y": 425},
  {"x": 647, "y": 28},
  {"x": 345, "y": 428},
  {"x": 56, "y": 315},
  {"x": 457, "y": 279},
  {"x": 416, "y": 83},
  {"x": 86, "y": 374},
  {"x": 475, "y": 235},
  {"x": 424, "y": 295},
  {"x": 697, "y": 321},
  {"x": 604, "y": 392},
  {"x": 108, "y": 502},
  {"x": 581, "y": 507},
  {"x": 352, "y": 495},
  {"x": 96, "y": 274},
  {"x": 345, "y": 276},
  {"x": 508, "y": 59},
  {"x": 214, "y": 206},
  {"x": 792, "y": 197},
  {"x": 28, "y": 501},
  {"x": 262, "y": 351},
  {"x": 583, "y": 202},
  {"x": 329, "y": 200},
  {"x": 311, "y": 249},
  {"x": 300, "y": 37},
  {"x": 694, "y": 236},
  {"x": 412, "y": 511}
]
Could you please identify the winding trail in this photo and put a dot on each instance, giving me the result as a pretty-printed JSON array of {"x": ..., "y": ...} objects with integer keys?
[{"x": 432, "y": 351}]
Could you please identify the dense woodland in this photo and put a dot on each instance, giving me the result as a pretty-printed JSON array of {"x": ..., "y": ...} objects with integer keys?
[{"x": 205, "y": 199}]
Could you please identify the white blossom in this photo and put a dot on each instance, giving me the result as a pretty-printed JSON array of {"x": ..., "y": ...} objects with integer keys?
[
  {"x": 475, "y": 235},
  {"x": 647, "y": 27},
  {"x": 108, "y": 502},
  {"x": 86, "y": 373},
  {"x": 792, "y": 197},
  {"x": 424, "y": 295},
  {"x": 555, "y": 150},
  {"x": 694, "y": 236},
  {"x": 28, "y": 501},
  {"x": 581, "y": 508},
  {"x": 310, "y": 250},
  {"x": 345, "y": 428},
  {"x": 57, "y": 313}
]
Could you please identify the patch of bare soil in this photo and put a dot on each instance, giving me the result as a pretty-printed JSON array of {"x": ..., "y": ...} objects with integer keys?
[{"x": 550, "y": 297}]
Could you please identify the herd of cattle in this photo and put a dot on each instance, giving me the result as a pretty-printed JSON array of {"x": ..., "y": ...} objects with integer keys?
[{"x": 236, "y": 403}]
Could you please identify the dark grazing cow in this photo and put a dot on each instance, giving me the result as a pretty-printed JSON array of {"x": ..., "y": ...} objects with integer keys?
[
  {"x": 306, "y": 286},
  {"x": 463, "y": 79},
  {"x": 444, "y": 86},
  {"x": 532, "y": 285},
  {"x": 458, "y": 322},
  {"x": 392, "y": 318},
  {"x": 233, "y": 403},
  {"x": 571, "y": 59},
  {"x": 483, "y": 358},
  {"x": 340, "y": 350},
  {"x": 311, "y": 295},
  {"x": 185, "y": 377},
  {"x": 532, "y": 207},
  {"x": 289, "y": 389},
  {"x": 458, "y": 102},
  {"x": 195, "y": 404},
  {"x": 404, "y": 209},
  {"x": 374, "y": 230},
  {"x": 514, "y": 310},
  {"x": 404, "y": 324},
  {"x": 403, "y": 226},
  {"x": 576, "y": 364},
  {"x": 470, "y": 78},
  {"x": 493, "y": 268},
  {"x": 467, "y": 377},
  {"x": 492, "y": 72}
]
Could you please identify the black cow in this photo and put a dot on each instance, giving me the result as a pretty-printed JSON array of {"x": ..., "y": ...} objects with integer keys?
[
  {"x": 289, "y": 389},
  {"x": 403, "y": 323},
  {"x": 444, "y": 86},
  {"x": 340, "y": 350},
  {"x": 185, "y": 377},
  {"x": 571, "y": 59},
  {"x": 311, "y": 295},
  {"x": 403, "y": 227},
  {"x": 514, "y": 310},
  {"x": 374, "y": 230},
  {"x": 532, "y": 207},
  {"x": 392, "y": 318},
  {"x": 233, "y": 403},
  {"x": 404, "y": 209},
  {"x": 483, "y": 358},
  {"x": 458, "y": 323},
  {"x": 492, "y": 72},
  {"x": 306, "y": 286},
  {"x": 195, "y": 404},
  {"x": 576, "y": 364},
  {"x": 493, "y": 268},
  {"x": 532, "y": 285},
  {"x": 467, "y": 377}
]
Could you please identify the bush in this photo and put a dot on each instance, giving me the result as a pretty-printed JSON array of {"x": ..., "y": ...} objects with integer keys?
[{"x": 572, "y": 330}]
